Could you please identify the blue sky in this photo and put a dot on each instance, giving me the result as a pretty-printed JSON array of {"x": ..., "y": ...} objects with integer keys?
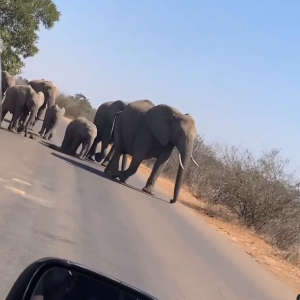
[{"x": 234, "y": 65}]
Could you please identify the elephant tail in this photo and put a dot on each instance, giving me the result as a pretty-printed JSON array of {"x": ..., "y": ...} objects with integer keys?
[{"x": 113, "y": 125}]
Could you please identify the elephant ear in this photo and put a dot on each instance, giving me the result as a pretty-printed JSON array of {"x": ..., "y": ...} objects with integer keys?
[{"x": 158, "y": 120}]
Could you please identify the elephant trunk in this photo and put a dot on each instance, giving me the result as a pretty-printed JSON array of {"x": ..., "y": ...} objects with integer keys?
[{"x": 184, "y": 159}]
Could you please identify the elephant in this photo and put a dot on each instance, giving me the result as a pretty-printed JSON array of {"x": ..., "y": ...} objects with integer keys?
[
  {"x": 146, "y": 131},
  {"x": 20, "y": 101},
  {"x": 79, "y": 131},
  {"x": 7, "y": 81},
  {"x": 50, "y": 91},
  {"x": 104, "y": 120},
  {"x": 53, "y": 116}
]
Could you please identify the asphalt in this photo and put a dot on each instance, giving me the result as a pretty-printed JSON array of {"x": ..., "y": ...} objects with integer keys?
[{"x": 52, "y": 204}]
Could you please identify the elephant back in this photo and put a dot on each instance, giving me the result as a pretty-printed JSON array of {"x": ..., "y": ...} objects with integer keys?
[
  {"x": 47, "y": 87},
  {"x": 129, "y": 121},
  {"x": 16, "y": 96},
  {"x": 114, "y": 108},
  {"x": 101, "y": 114}
]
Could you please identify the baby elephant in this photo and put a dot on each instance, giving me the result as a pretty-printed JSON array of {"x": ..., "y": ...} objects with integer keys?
[
  {"x": 79, "y": 131},
  {"x": 53, "y": 116}
]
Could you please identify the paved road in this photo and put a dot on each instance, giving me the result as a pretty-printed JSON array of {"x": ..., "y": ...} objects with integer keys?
[{"x": 55, "y": 205}]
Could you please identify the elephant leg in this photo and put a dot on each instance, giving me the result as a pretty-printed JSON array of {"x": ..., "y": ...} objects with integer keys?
[
  {"x": 67, "y": 141},
  {"x": 124, "y": 162},
  {"x": 133, "y": 167},
  {"x": 50, "y": 136},
  {"x": 141, "y": 146},
  {"x": 86, "y": 145},
  {"x": 4, "y": 112},
  {"x": 30, "y": 121},
  {"x": 112, "y": 167},
  {"x": 50, "y": 132},
  {"x": 38, "y": 115},
  {"x": 158, "y": 167},
  {"x": 93, "y": 148},
  {"x": 42, "y": 131},
  {"x": 108, "y": 156},
  {"x": 74, "y": 145},
  {"x": 15, "y": 120}
]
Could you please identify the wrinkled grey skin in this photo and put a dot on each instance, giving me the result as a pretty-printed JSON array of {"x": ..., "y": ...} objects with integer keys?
[
  {"x": 104, "y": 120},
  {"x": 146, "y": 131},
  {"x": 7, "y": 81},
  {"x": 53, "y": 116},
  {"x": 50, "y": 91},
  {"x": 80, "y": 131},
  {"x": 20, "y": 101}
]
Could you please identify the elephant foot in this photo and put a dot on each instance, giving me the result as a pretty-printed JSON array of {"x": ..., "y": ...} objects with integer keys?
[
  {"x": 148, "y": 191},
  {"x": 107, "y": 171},
  {"x": 98, "y": 157},
  {"x": 123, "y": 177},
  {"x": 105, "y": 163},
  {"x": 110, "y": 173},
  {"x": 12, "y": 130}
]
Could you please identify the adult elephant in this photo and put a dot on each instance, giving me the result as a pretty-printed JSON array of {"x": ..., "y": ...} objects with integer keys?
[
  {"x": 22, "y": 101},
  {"x": 53, "y": 116},
  {"x": 104, "y": 120},
  {"x": 50, "y": 91},
  {"x": 146, "y": 131},
  {"x": 82, "y": 132},
  {"x": 7, "y": 81}
]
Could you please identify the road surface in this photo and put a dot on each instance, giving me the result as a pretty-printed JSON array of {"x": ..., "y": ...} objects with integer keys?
[{"x": 52, "y": 204}]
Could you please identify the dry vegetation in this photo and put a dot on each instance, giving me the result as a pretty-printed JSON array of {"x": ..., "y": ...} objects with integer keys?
[
  {"x": 235, "y": 187},
  {"x": 256, "y": 193}
]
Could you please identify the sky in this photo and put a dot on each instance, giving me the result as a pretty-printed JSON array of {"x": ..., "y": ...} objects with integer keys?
[{"x": 233, "y": 65}]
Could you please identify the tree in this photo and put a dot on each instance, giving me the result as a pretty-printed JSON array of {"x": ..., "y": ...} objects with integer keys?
[
  {"x": 20, "y": 21},
  {"x": 81, "y": 98}
]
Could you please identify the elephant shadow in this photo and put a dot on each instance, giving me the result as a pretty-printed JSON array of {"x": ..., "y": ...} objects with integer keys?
[
  {"x": 93, "y": 170},
  {"x": 84, "y": 166}
]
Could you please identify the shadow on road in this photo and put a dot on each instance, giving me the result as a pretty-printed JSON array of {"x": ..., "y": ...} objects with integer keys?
[
  {"x": 49, "y": 145},
  {"x": 98, "y": 172}
]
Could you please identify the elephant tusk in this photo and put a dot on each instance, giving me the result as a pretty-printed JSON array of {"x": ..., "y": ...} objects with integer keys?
[
  {"x": 180, "y": 162},
  {"x": 192, "y": 158}
]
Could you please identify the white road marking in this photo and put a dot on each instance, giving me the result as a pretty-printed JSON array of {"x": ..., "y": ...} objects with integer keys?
[
  {"x": 32, "y": 198},
  {"x": 38, "y": 200},
  {"x": 13, "y": 189},
  {"x": 21, "y": 181}
]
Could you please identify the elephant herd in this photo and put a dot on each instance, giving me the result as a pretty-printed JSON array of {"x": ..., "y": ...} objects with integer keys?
[
  {"x": 27, "y": 102},
  {"x": 140, "y": 129}
]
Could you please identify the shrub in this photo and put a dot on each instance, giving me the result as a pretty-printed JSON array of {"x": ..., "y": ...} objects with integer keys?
[
  {"x": 76, "y": 106},
  {"x": 257, "y": 191}
]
